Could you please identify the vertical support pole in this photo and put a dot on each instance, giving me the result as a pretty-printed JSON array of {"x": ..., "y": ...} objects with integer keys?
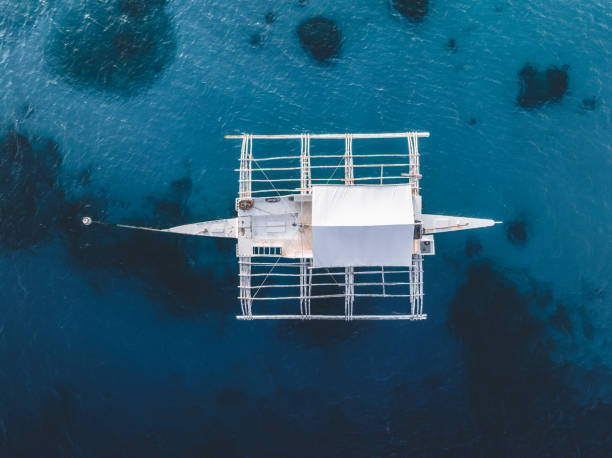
[
  {"x": 413, "y": 152},
  {"x": 349, "y": 177},
  {"x": 308, "y": 284},
  {"x": 420, "y": 286},
  {"x": 305, "y": 287},
  {"x": 305, "y": 175},
  {"x": 382, "y": 274},
  {"x": 416, "y": 285},
  {"x": 302, "y": 288},
  {"x": 349, "y": 292},
  {"x": 246, "y": 155},
  {"x": 246, "y": 301}
]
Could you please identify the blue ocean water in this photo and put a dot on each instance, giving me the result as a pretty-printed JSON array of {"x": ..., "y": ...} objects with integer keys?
[{"x": 125, "y": 344}]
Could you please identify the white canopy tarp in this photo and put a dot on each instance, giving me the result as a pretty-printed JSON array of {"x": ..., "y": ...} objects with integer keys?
[{"x": 367, "y": 225}]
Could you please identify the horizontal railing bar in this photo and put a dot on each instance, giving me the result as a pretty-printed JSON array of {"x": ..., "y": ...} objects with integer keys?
[
  {"x": 269, "y": 264},
  {"x": 404, "y": 177},
  {"x": 282, "y": 264},
  {"x": 373, "y": 272},
  {"x": 362, "y": 178},
  {"x": 287, "y": 264},
  {"x": 297, "y": 285},
  {"x": 271, "y": 169},
  {"x": 415, "y": 317},
  {"x": 276, "y": 190},
  {"x": 314, "y": 156},
  {"x": 325, "y": 296},
  {"x": 332, "y": 136},
  {"x": 273, "y": 158},
  {"x": 330, "y": 156}
]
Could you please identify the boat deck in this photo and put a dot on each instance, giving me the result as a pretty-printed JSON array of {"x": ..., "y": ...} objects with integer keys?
[{"x": 280, "y": 222}]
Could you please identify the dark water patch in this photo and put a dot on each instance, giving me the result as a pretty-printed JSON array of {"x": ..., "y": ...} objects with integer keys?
[
  {"x": 452, "y": 45},
  {"x": 434, "y": 431},
  {"x": 539, "y": 87},
  {"x": 589, "y": 103},
  {"x": 84, "y": 177},
  {"x": 4, "y": 437},
  {"x": 561, "y": 320},
  {"x": 270, "y": 17},
  {"x": 231, "y": 397},
  {"x": 414, "y": 10},
  {"x": 473, "y": 247},
  {"x": 322, "y": 333},
  {"x": 319, "y": 333},
  {"x": 166, "y": 264},
  {"x": 320, "y": 37},
  {"x": 182, "y": 188},
  {"x": 472, "y": 121},
  {"x": 171, "y": 208},
  {"x": 586, "y": 322},
  {"x": 51, "y": 430},
  {"x": 120, "y": 46},
  {"x": 515, "y": 386},
  {"x": 225, "y": 246},
  {"x": 273, "y": 426},
  {"x": 60, "y": 411},
  {"x": 588, "y": 330},
  {"x": 31, "y": 198},
  {"x": 516, "y": 231},
  {"x": 592, "y": 292},
  {"x": 506, "y": 349},
  {"x": 256, "y": 40},
  {"x": 434, "y": 381},
  {"x": 161, "y": 262},
  {"x": 593, "y": 427},
  {"x": 302, "y": 3},
  {"x": 27, "y": 109},
  {"x": 543, "y": 297},
  {"x": 140, "y": 8}
]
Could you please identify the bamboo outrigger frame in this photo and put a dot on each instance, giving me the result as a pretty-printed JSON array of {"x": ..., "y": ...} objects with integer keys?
[
  {"x": 387, "y": 282},
  {"x": 281, "y": 263}
]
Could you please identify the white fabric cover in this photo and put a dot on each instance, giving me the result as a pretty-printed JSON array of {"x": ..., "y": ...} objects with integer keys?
[{"x": 363, "y": 225}]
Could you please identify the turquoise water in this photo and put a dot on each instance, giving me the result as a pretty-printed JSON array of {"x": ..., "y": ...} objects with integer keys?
[{"x": 117, "y": 344}]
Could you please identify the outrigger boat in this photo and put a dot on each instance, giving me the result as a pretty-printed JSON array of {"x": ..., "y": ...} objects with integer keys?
[{"x": 307, "y": 234}]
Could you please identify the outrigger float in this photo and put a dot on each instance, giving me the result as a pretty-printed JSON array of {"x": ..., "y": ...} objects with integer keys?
[{"x": 307, "y": 234}]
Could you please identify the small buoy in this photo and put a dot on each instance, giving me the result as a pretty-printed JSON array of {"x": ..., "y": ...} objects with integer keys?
[{"x": 86, "y": 220}]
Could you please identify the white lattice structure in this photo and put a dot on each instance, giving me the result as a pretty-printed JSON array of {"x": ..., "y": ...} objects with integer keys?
[{"x": 329, "y": 234}]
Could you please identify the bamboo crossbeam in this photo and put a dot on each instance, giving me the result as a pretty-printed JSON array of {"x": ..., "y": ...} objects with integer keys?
[
  {"x": 414, "y": 317},
  {"x": 371, "y": 272},
  {"x": 328, "y": 156},
  {"x": 276, "y": 190},
  {"x": 286, "y": 298},
  {"x": 404, "y": 177},
  {"x": 272, "y": 169},
  {"x": 333, "y": 136},
  {"x": 270, "y": 264},
  {"x": 296, "y": 285},
  {"x": 324, "y": 296}
]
